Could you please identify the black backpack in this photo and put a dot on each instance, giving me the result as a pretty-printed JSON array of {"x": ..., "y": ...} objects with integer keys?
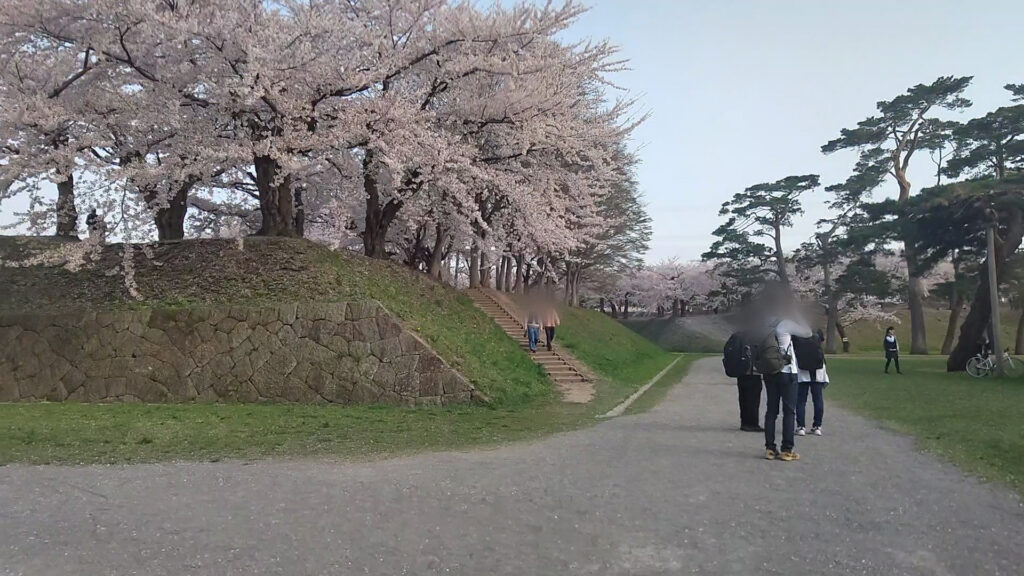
[
  {"x": 809, "y": 355},
  {"x": 737, "y": 357}
]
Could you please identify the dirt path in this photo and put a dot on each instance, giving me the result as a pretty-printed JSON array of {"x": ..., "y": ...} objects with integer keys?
[{"x": 674, "y": 491}]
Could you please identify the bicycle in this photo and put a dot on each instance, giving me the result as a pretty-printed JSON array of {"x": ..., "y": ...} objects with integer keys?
[{"x": 985, "y": 365}]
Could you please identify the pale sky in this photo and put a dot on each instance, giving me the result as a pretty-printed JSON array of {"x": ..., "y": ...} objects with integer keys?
[{"x": 747, "y": 91}]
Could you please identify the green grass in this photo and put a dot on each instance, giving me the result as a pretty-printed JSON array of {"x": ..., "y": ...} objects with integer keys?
[
  {"x": 268, "y": 271},
  {"x": 46, "y": 433},
  {"x": 867, "y": 336},
  {"x": 675, "y": 334},
  {"x": 612, "y": 350},
  {"x": 978, "y": 424}
]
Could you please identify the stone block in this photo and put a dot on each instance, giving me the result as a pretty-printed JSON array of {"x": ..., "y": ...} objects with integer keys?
[
  {"x": 238, "y": 335},
  {"x": 312, "y": 311},
  {"x": 430, "y": 362},
  {"x": 221, "y": 365},
  {"x": 386, "y": 350},
  {"x": 366, "y": 330},
  {"x": 336, "y": 312},
  {"x": 358, "y": 350},
  {"x": 204, "y": 331},
  {"x": 361, "y": 310},
  {"x": 405, "y": 364},
  {"x": 35, "y": 388},
  {"x": 227, "y": 324},
  {"x": 368, "y": 367},
  {"x": 454, "y": 383},
  {"x": 389, "y": 398},
  {"x": 337, "y": 345},
  {"x": 407, "y": 384},
  {"x": 319, "y": 381},
  {"x": 411, "y": 343},
  {"x": 203, "y": 353},
  {"x": 322, "y": 331},
  {"x": 388, "y": 326},
  {"x": 431, "y": 401},
  {"x": 430, "y": 384},
  {"x": 302, "y": 326},
  {"x": 242, "y": 370},
  {"x": 287, "y": 313},
  {"x": 287, "y": 335},
  {"x": 459, "y": 398},
  {"x": 384, "y": 377},
  {"x": 364, "y": 393},
  {"x": 266, "y": 316}
]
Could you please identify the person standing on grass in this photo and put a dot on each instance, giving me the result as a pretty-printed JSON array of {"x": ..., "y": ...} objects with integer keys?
[
  {"x": 892, "y": 349},
  {"x": 551, "y": 321},
  {"x": 778, "y": 364},
  {"x": 811, "y": 379}
]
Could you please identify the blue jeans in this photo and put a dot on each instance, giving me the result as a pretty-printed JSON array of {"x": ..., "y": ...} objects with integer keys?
[
  {"x": 780, "y": 387},
  {"x": 815, "y": 388},
  {"x": 533, "y": 334}
]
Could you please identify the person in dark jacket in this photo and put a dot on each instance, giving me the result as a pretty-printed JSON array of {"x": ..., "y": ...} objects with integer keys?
[
  {"x": 892, "y": 349},
  {"x": 749, "y": 387}
]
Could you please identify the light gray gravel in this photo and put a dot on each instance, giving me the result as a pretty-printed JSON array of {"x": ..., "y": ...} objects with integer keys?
[{"x": 675, "y": 491}]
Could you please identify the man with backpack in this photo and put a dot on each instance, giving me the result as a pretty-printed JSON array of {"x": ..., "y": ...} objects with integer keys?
[
  {"x": 777, "y": 362},
  {"x": 738, "y": 360}
]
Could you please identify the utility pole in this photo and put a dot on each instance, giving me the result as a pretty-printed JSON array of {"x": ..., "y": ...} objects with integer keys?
[{"x": 993, "y": 291}]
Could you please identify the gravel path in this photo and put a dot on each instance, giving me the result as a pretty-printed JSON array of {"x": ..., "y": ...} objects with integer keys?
[{"x": 674, "y": 491}]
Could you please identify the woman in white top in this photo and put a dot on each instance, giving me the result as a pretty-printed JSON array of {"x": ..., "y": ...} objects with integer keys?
[{"x": 813, "y": 382}]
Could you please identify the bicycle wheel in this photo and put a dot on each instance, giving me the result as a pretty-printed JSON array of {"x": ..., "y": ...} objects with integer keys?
[
  {"x": 1012, "y": 367},
  {"x": 977, "y": 367}
]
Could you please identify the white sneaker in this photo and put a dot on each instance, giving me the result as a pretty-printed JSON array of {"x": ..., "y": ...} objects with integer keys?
[
  {"x": 801, "y": 431},
  {"x": 816, "y": 430}
]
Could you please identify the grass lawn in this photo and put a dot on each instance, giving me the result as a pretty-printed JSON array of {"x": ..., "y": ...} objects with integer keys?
[
  {"x": 978, "y": 424},
  {"x": 867, "y": 336},
  {"x": 126, "y": 433}
]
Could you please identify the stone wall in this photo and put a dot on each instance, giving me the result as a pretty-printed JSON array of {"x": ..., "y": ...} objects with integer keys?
[{"x": 354, "y": 352}]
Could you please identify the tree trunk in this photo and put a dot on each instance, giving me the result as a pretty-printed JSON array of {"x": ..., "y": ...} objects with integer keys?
[
  {"x": 676, "y": 308},
  {"x": 625, "y": 308},
  {"x": 485, "y": 270},
  {"x": 954, "y": 319},
  {"x": 601, "y": 304},
  {"x": 474, "y": 265},
  {"x": 1018, "y": 346},
  {"x": 378, "y": 218},
  {"x": 499, "y": 275},
  {"x": 977, "y": 319},
  {"x": 508, "y": 274},
  {"x": 67, "y": 213},
  {"x": 437, "y": 255},
  {"x": 615, "y": 311},
  {"x": 842, "y": 334},
  {"x": 918, "y": 336},
  {"x": 780, "y": 257},
  {"x": 576, "y": 276},
  {"x": 170, "y": 219},
  {"x": 520, "y": 273},
  {"x": 300, "y": 214},
  {"x": 276, "y": 203}
]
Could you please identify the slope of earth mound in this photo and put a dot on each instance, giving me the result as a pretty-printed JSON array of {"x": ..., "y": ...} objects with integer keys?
[{"x": 49, "y": 275}]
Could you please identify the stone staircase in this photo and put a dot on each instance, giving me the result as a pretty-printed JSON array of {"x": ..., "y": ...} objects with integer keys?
[{"x": 564, "y": 370}]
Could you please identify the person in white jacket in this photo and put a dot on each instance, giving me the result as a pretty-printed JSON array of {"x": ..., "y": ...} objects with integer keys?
[{"x": 782, "y": 387}]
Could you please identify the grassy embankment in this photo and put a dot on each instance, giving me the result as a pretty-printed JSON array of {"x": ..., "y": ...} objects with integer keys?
[
  {"x": 215, "y": 272},
  {"x": 976, "y": 423}
]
